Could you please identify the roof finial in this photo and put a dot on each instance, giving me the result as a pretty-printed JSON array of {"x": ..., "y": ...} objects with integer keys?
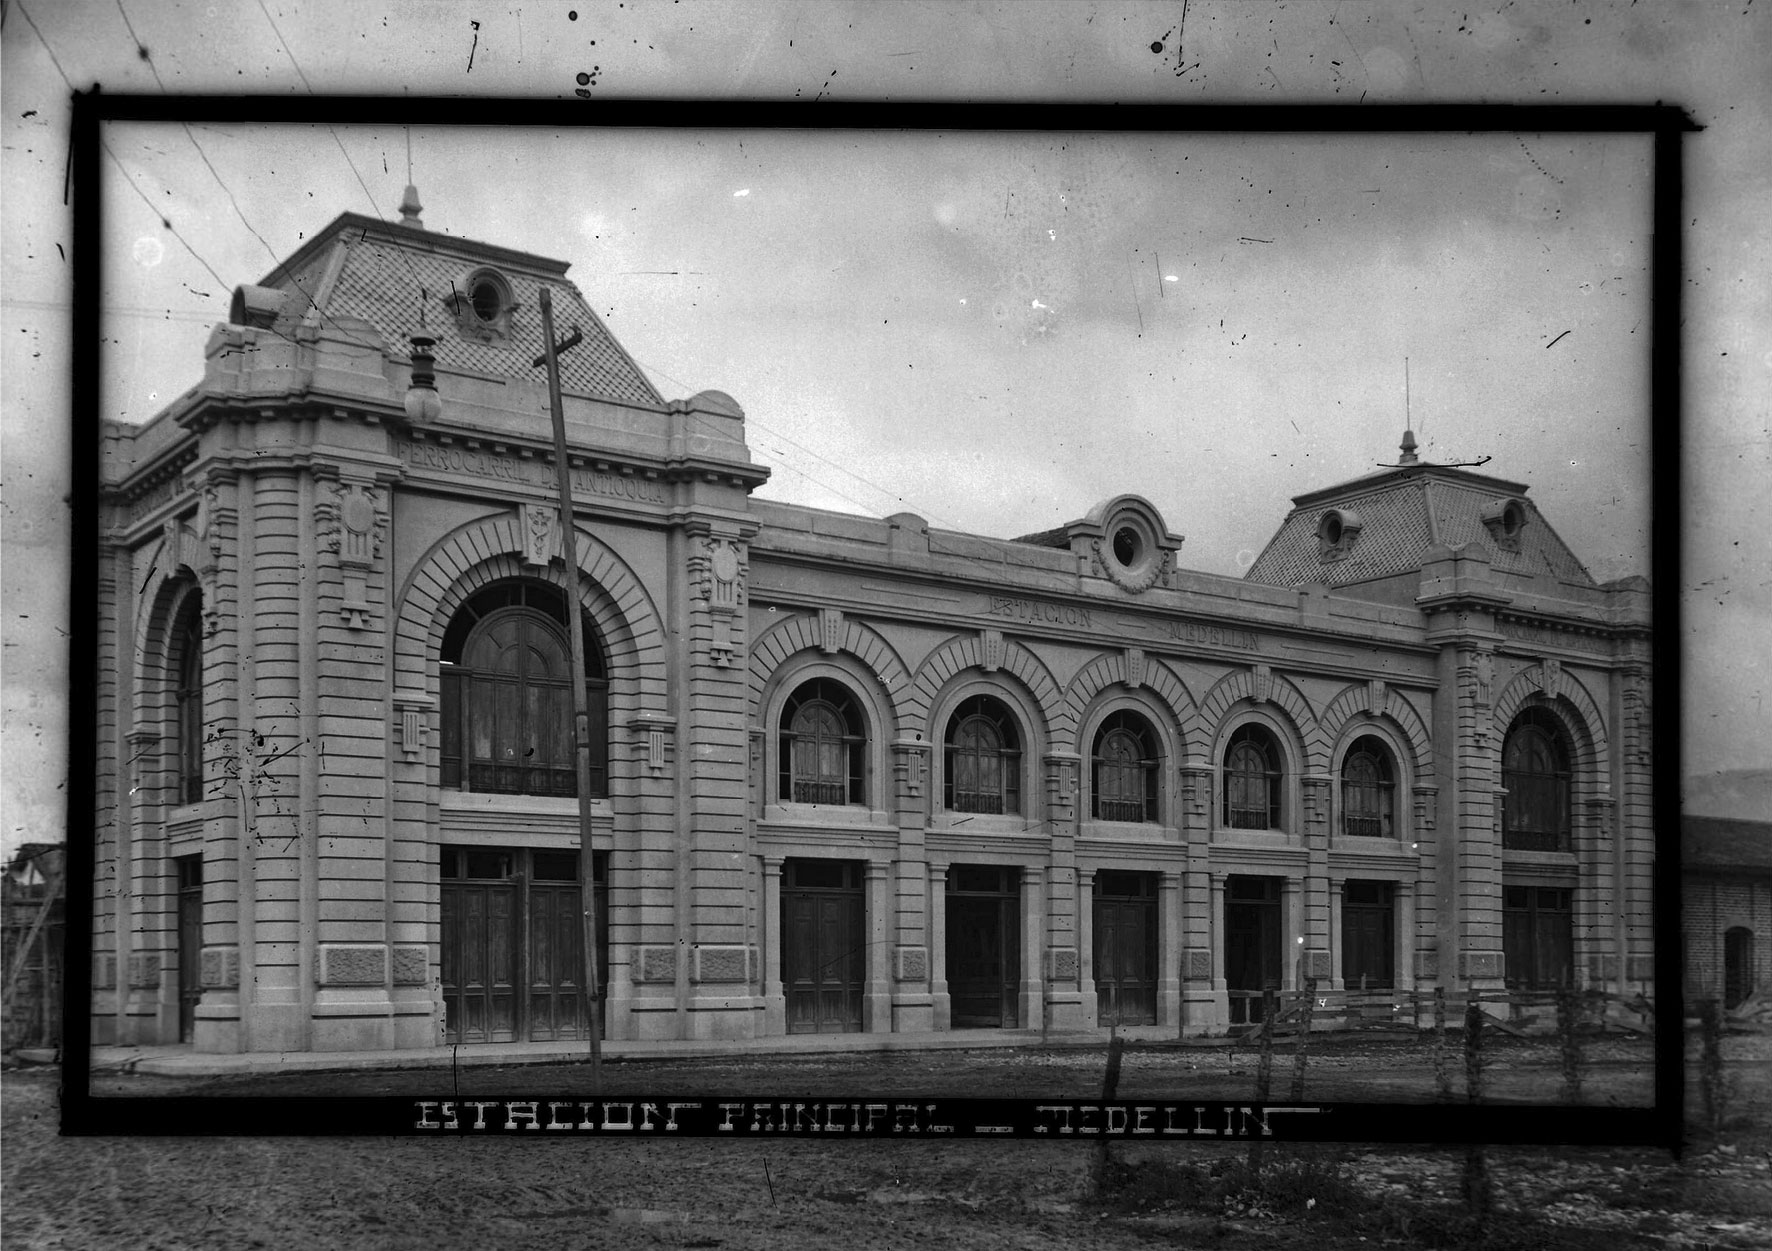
[
  {"x": 410, "y": 208},
  {"x": 1408, "y": 444}
]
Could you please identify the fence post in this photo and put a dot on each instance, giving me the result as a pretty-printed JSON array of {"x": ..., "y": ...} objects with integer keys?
[
  {"x": 1304, "y": 1035},
  {"x": 1478, "y": 1187},
  {"x": 1568, "y": 1033},
  {"x": 1710, "y": 1064},
  {"x": 1264, "y": 1068},
  {"x": 1442, "y": 1062},
  {"x": 1110, "y": 1085}
]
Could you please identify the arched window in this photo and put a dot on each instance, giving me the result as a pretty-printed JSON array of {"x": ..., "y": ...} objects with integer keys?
[
  {"x": 823, "y": 742},
  {"x": 1368, "y": 790},
  {"x": 507, "y": 695},
  {"x": 1535, "y": 773},
  {"x": 1252, "y": 780},
  {"x": 187, "y": 694},
  {"x": 1125, "y": 769},
  {"x": 983, "y": 767}
]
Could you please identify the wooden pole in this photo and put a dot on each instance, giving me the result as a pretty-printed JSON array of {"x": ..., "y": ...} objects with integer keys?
[{"x": 581, "y": 713}]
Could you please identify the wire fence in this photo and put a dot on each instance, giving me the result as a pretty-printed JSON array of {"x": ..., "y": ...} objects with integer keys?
[{"x": 1517, "y": 1012}]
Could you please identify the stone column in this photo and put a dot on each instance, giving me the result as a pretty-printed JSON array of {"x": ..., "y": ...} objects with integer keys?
[
  {"x": 1169, "y": 951},
  {"x": 908, "y": 941},
  {"x": 1218, "y": 976},
  {"x": 1292, "y": 957},
  {"x": 876, "y": 1007},
  {"x": 1031, "y": 1001},
  {"x": 1405, "y": 938},
  {"x": 1461, "y": 598},
  {"x": 1320, "y": 932},
  {"x": 939, "y": 1005},
  {"x": 1337, "y": 976},
  {"x": 775, "y": 1000},
  {"x": 1090, "y": 1007}
]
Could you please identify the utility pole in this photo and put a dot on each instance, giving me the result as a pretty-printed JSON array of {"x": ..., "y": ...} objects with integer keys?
[{"x": 581, "y": 718}]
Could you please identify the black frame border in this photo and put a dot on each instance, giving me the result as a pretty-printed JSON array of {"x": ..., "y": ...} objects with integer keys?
[{"x": 1660, "y": 1125}]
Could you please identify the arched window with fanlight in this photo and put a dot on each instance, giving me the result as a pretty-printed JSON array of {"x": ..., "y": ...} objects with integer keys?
[
  {"x": 983, "y": 759},
  {"x": 506, "y": 695},
  {"x": 1368, "y": 790},
  {"x": 187, "y": 695},
  {"x": 1124, "y": 769},
  {"x": 1536, "y": 775},
  {"x": 823, "y": 745},
  {"x": 1252, "y": 778}
]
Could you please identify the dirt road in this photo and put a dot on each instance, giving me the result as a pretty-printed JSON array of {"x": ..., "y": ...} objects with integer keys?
[{"x": 178, "y": 1194}]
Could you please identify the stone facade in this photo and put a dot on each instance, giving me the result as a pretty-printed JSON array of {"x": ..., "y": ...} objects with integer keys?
[{"x": 322, "y": 544}]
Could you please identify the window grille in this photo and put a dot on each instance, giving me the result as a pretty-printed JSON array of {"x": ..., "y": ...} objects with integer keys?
[
  {"x": 983, "y": 759},
  {"x": 1368, "y": 790},
  {"x": 506, "y": 696},
  {"x": 1252, "y": 780},
  {"x": 822, "y": 744},
  {"x": 188, "y": 696},
  {"x": 1125, "y": 767},
  {"x": 1535, "y": 773}
]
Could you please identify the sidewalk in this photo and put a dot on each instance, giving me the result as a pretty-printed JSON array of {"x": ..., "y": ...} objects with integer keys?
[{"x": 181, "y": 1061}]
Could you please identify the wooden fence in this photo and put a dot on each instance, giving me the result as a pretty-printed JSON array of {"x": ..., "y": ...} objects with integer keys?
[{"x": 1516, "y": 1012}]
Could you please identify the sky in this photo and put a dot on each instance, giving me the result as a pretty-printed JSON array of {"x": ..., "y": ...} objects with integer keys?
[
  {"x": 997, "y": 331},
  {"x": 993, "y": 331}
]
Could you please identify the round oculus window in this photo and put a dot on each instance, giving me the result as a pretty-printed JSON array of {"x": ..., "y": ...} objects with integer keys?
[
  {"x": 1128, "y": 546},
  {"x": 1331, "y": 528},
  {"x": 487, "y": 300}
]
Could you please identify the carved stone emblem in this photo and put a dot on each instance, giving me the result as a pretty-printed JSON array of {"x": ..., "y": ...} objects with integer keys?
[
  {"x": 537, "y": 525},
  {"x": 830, "y": 629},
  {"x": 1550, "y": 678}
]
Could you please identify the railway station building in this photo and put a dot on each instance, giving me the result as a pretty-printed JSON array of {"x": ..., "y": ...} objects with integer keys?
[{"x": 850, "y": 775}]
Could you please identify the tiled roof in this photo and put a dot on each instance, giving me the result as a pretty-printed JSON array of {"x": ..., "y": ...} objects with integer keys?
[
  {"x": 1721, "y": 843},
  {"x": 1402, "y": 516},
  {"x": 389, "y": 271}
]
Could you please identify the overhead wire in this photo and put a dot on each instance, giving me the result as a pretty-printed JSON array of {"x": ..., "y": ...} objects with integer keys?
[
  {"x": 872, "y": 485},
  {"x": 232, "y": 200},
  {"x": 229, "y": 191},
  {"x": 373, "y": 207},
  {"x": 53, "y": 59}
]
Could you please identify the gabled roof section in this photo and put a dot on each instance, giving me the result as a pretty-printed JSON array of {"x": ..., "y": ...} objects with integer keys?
[
  {"x": 1385, "y": 523},
  {"x": 384, "y": 273},
  {"x": 1723, "y": 844}
]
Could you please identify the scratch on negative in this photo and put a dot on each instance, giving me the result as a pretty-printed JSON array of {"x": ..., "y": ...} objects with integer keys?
[{"x": 1553, "y": 343}]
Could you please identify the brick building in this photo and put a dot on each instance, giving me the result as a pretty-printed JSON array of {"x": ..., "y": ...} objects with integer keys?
[
  {"x": 850, "y": 774},
  {"x": 1726, "y": 908}
]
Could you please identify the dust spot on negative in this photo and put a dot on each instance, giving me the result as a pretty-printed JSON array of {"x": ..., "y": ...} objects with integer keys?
[{"x": 1157, "y": 46}]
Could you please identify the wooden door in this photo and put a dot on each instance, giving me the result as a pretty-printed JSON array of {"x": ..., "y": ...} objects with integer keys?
[
  {"x": 1251, "y": 943},
  {"x": 983, "y": 947},
  {"x": 555, "y": 961},
  {"x": 1125, "y": 942},
  {"x": 824, "y": 946},
  {"x": 481, "y": 938},
  {"x": 1368, "y": 936},
  {"x": 1538, "y": 936},
  {"x": 190, "y": 943},
  {"x": 513, "y": 944}
]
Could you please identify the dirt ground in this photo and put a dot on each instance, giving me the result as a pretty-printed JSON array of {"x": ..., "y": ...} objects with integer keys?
[
  {"x": 1618, "y": 1071},
  {"x": 136, "y": 1192}
]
